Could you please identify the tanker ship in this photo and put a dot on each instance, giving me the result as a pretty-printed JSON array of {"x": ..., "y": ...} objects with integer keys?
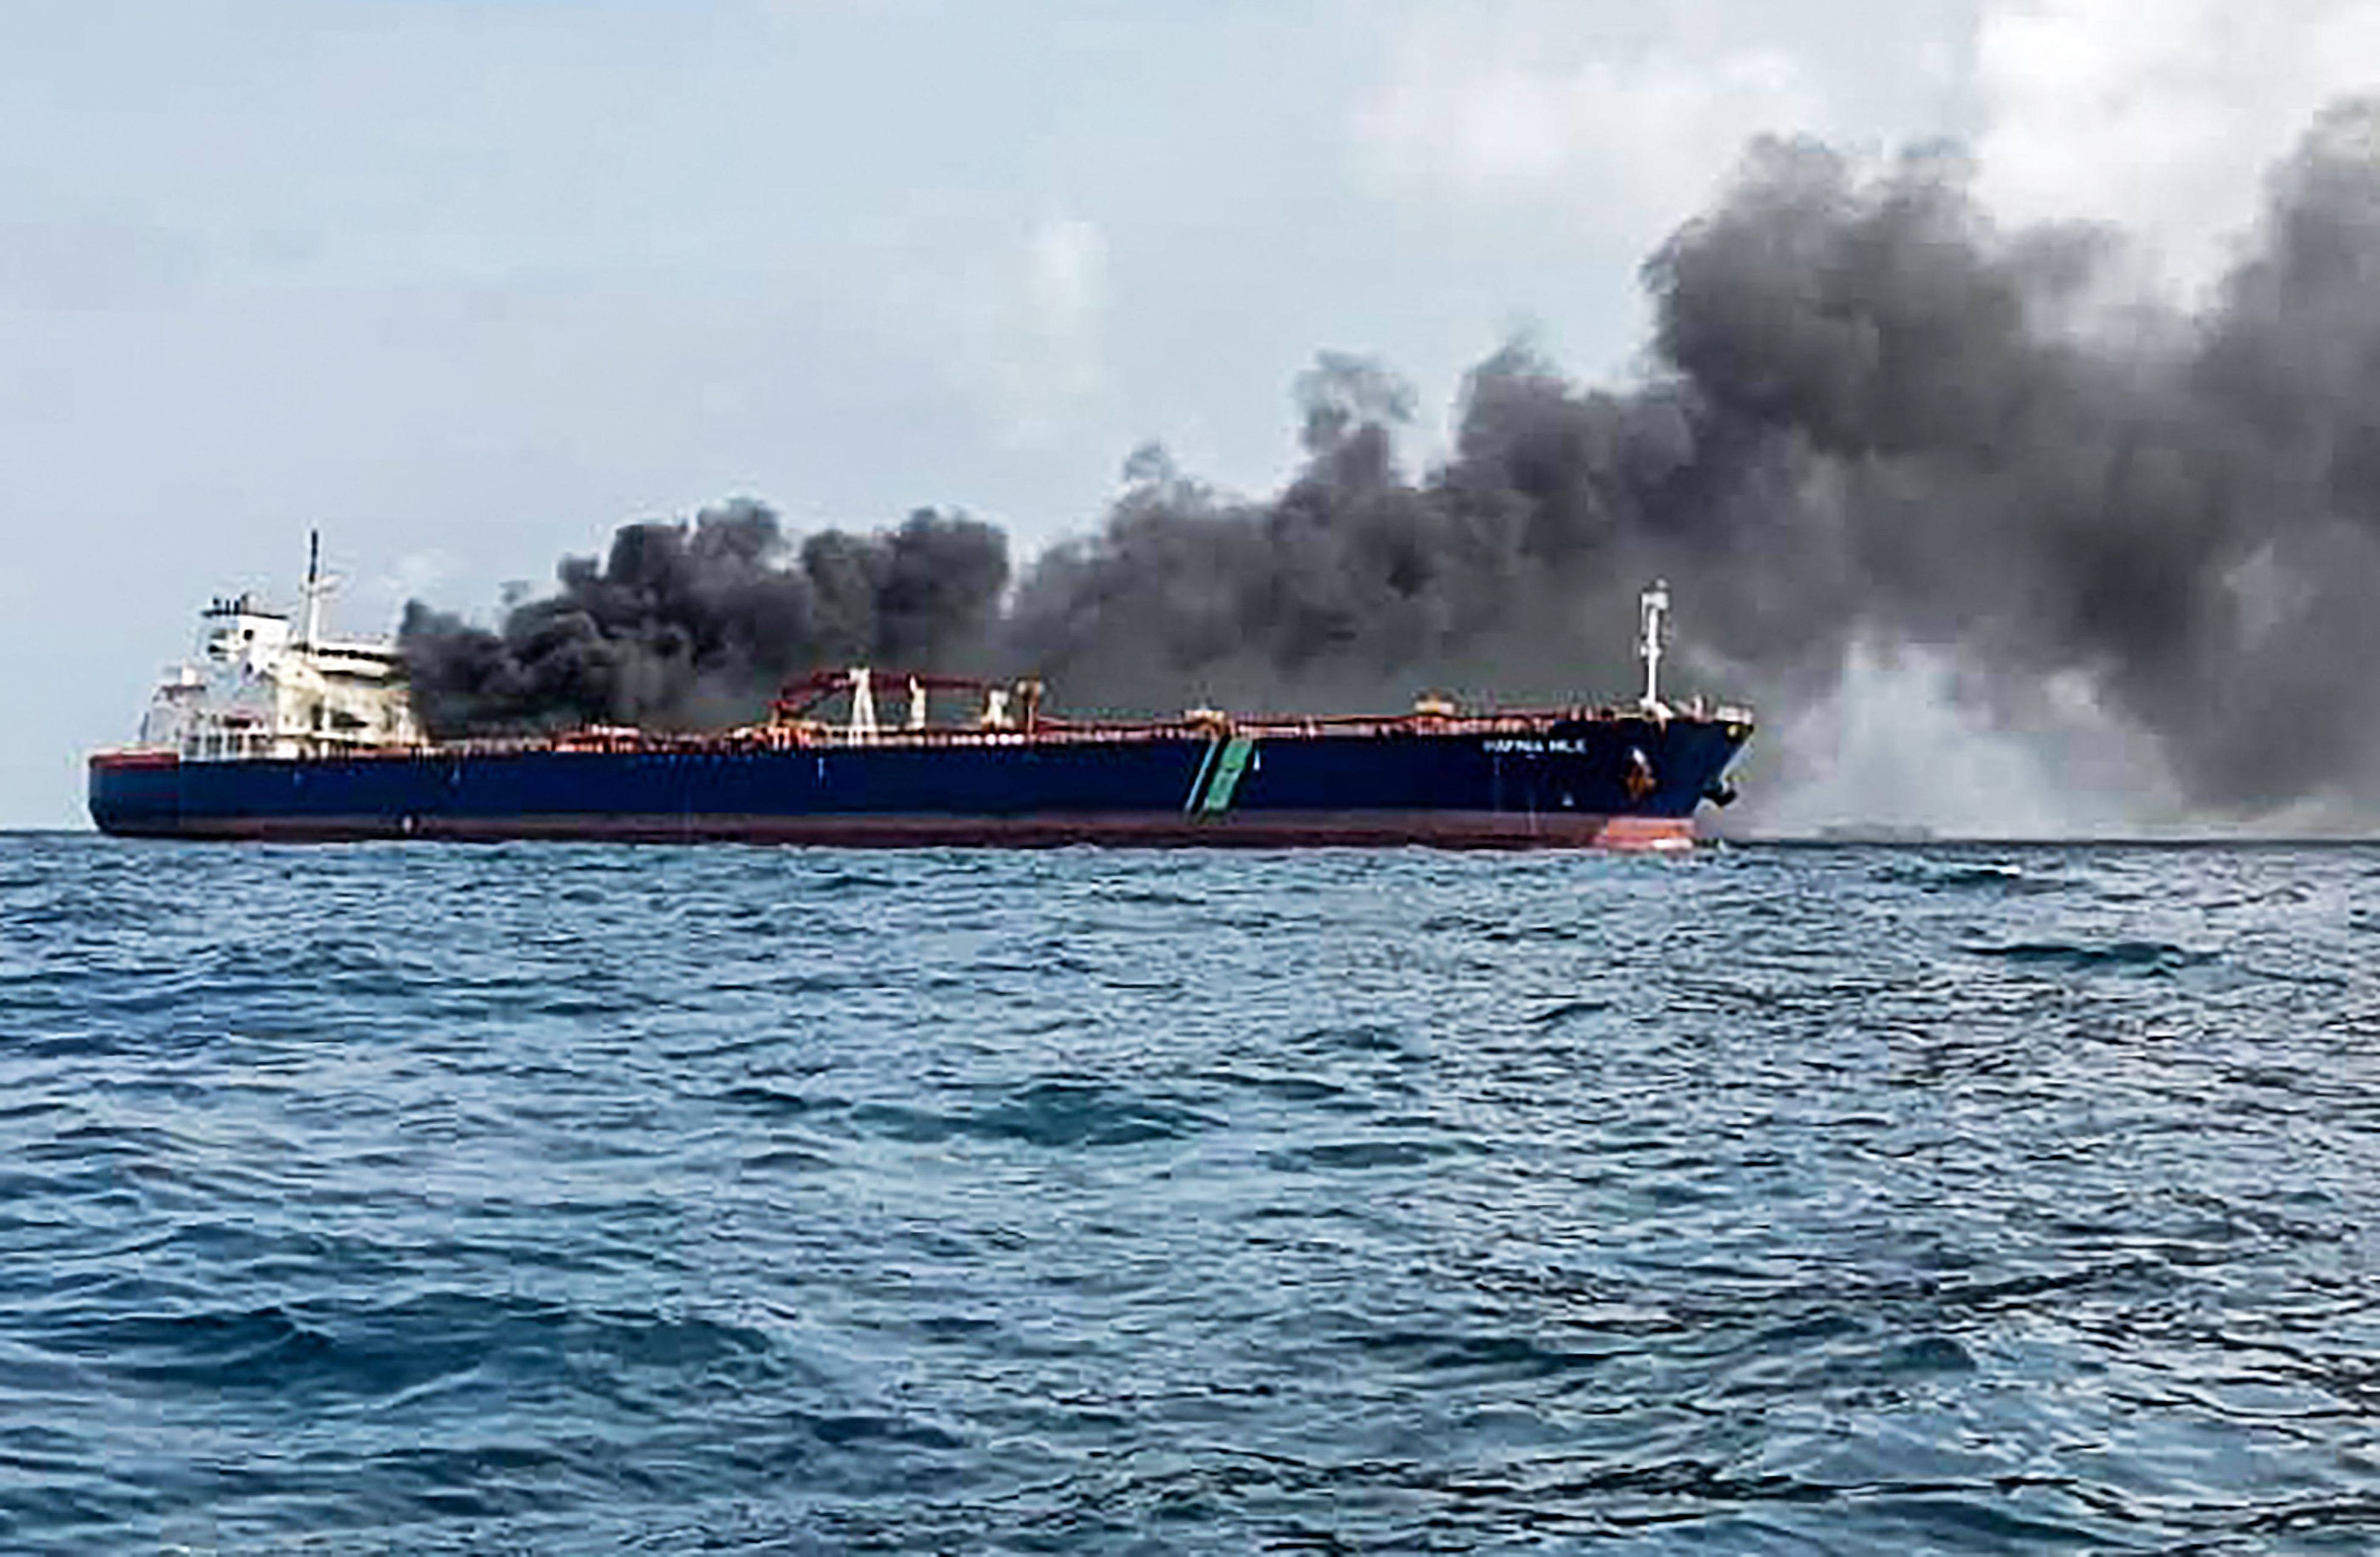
[{"x": 275, "y": 731}]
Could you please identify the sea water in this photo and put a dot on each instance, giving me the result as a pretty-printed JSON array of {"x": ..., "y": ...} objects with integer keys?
[{"x": 429, "y": 1199}]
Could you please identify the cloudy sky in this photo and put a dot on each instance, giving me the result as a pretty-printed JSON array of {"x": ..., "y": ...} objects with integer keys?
[{"x": 467, "y": 283}]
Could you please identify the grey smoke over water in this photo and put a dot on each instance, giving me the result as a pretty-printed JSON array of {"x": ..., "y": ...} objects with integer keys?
[{"x": 1874, "y": 423}]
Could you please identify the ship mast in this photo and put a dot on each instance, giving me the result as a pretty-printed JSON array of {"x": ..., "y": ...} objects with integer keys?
[
  {"x": 314, "y": 591},
  {"x": 1653, "y": 610},
  {"x": 318, "y": 587}
]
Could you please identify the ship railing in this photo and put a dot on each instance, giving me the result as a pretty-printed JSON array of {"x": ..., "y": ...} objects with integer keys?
[{"x": 823, "y": 734}]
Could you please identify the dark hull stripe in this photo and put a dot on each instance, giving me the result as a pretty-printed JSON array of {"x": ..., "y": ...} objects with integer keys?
[{"x": 1447, "y": 829}]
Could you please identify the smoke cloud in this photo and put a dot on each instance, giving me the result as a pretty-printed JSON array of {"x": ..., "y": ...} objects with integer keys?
[
  {"x": 1874, "y": 422},
  {"x": 685, "y": 625}
]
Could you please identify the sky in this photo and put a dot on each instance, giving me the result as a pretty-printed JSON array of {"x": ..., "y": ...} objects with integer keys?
[{"x": 467, "y": 284}]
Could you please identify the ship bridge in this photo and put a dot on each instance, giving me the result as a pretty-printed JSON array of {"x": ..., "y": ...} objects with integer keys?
[{"x": 259, "y": 685}]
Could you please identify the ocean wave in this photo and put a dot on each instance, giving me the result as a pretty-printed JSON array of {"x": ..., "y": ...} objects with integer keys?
[
  {"x": 2093, "y": 957},
  {"x": 1989, "y": 877},
  {"x": 1056, "y": 1114}
]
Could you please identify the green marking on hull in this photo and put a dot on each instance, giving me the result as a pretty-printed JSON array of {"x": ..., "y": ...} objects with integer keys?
[{"x": 1226, "y": 777}]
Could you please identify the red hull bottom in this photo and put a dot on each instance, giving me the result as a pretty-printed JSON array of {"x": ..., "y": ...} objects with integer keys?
[{"x": 1361, "y": 830}]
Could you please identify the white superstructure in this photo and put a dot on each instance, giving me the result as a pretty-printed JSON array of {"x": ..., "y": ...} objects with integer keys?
[{"x": 254, "y": 688}]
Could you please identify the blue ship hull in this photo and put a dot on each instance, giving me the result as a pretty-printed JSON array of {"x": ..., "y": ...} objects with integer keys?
[{"x": 1626, "y": 781}]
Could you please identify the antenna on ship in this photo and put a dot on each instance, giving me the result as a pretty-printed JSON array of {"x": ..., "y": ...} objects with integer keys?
[{"x": 1653, "y": 611}]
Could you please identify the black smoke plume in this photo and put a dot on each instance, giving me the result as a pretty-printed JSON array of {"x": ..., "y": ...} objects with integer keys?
[
  {"x": 1873, "y": 419},
  {"x": 688, "y": 625}
]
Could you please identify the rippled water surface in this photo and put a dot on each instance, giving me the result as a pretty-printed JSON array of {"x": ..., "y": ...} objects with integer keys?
[{"x": 545, "y": 1199}]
